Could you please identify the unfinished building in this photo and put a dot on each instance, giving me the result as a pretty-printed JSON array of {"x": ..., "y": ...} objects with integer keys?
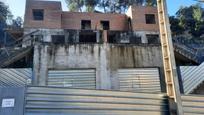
[
  {"x": 103, "y": 46},
  {"x": 92, "y": 64}
]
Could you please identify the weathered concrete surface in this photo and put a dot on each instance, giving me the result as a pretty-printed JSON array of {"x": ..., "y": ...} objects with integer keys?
[{"x": 105, "y": 58}]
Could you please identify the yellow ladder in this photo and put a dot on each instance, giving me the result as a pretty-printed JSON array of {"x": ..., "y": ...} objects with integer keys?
[{"x": 172, "y": 84}]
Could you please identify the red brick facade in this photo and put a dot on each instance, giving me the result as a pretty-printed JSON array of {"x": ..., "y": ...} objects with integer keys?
[
  {"x": 52, "y": 14},
  {"x": 55, "y": 18},
  {"x": 139, "y": 20},
  {"x": 72, "y": 20}
]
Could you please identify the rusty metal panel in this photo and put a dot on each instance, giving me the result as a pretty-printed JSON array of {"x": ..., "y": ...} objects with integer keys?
[
  {"x": 82, "y": 78},
  {"x": 139, "y": 80},
  {"x": 193, "y": 104},
  {"x": 192, "y": 77},
  {"x": 66, "y": 101},
  {"x": 15, "y": 77}
]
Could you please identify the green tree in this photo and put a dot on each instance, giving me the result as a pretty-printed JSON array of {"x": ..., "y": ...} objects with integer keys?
[
  {"x": 104, "y": 4},
  {"x": 118, "y": 6},
  {"x": 18, "y": 22},
  {"x": 75, "y": 5},
  {"x": 197, "y": 16},
  {"x": 176, "y": 29},
  {"x": 150, "y": 2},
  {"x": 90, "y": 5},
  {"x": 191, "y": 19},
  {"x": 4, "y": 11}
]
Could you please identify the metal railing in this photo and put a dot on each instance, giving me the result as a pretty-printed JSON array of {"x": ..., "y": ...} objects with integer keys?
[
  {"x": 187, "y": 51},
  {"x": 12, "y": 51}
]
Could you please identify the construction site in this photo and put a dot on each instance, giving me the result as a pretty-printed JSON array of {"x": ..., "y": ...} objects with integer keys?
[{"x": 92, "y": 63}]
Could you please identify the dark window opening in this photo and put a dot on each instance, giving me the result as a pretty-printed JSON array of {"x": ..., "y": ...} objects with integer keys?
[
  {"x": 87, "y": 37},
  {"x": 130, "y": 24},
  {"x": 134, "y": 39},
  {"x": 86, "y": 24},
  {"x": 38, "y": 14},
  {"x": 58, "y": 39},
  {"x": 150, "y": 19},
  {"x": 152, "y": 39},
  {"x": 105, "y": 25},
  {"x": 113, "y": 37},
  {"x": 72, "y": 37}
]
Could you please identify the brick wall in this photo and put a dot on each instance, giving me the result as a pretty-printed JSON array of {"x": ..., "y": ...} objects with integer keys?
[
  {"x": 55, "y": 18},
  {"x": 52, "y": 14},
  {"x": 137, "y": 14},
  {"x": 72, "y": 20}
]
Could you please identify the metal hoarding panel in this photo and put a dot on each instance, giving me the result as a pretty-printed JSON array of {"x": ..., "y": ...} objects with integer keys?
[
  {"x": 81, "y": 78},
  {"x": 192, "y": 77},
  {"x": 15, "y": 77},
  {"x": 193, "y": 104},
  {"x": 139, "y": 79},
  {"x": 66, "y": 101}
]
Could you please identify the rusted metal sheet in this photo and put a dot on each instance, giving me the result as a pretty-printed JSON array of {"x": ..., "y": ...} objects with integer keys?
[
  {"x": 15, "y": 77},
  {"x": 139, "y": 80},
  {"x": 82, "y": 78}
]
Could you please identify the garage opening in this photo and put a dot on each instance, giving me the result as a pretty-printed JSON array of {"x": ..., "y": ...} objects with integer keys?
[
  {"x": 140, "y": 80},
  {"x": 75, "y": 78}
]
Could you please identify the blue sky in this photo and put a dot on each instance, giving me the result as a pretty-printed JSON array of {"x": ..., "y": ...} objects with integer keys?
[{"x": 17, "y": 7}]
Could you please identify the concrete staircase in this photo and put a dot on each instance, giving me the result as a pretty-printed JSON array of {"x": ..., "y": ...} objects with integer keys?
[
  {"x": 63, "y": 101},
  {"x": 9, "y": 55}
]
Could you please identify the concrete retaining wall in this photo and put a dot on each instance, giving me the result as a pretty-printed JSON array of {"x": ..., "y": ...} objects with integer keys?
[{"x": 105, "y": 58}]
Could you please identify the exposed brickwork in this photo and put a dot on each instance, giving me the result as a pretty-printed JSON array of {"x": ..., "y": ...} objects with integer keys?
[
  {"x": 55, "y": 18},
  {"x": 52, "y": 14},
  {"x": 137, "y": 13},
  {"x": 72, "y": 20}
]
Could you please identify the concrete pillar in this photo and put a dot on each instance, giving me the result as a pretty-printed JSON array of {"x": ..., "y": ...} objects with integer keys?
[
  {"x": 36, "y": 64},
  {"x": 66, "y": 37},
  {"x": 47, "y": 38},
  {"x": 105, "y": 80},
  {"x": 144, "y": 38},
  {"x": 40, "y": 65},
  {"x": 97, "y": 36},
  {"x": 77, "y": 36},
  {"x": 105, "y": 36},
  {"x": 43, "y": 66}
]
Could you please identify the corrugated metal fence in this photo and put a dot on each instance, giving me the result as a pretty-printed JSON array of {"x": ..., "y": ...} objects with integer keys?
[
  {"x": 64, "y": 101},
  {"x": 192, "y": 77},
  {"x": 15, "y": 77},
  {"x": 139, "y": 80},
  {"x": 193, "y": 104},
  {"x": 81, "y": 78}
]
